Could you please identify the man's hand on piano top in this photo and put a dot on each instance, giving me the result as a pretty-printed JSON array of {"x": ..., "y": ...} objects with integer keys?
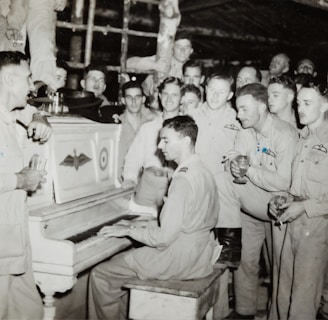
[
  {"x": 127, "y": 184},
  {"x": 115, "y": 231}
]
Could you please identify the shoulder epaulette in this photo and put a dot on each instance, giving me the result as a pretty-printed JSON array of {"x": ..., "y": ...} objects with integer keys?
[
  {"x": 183, "y": 169},
  {"x": 232, "y": 127}
]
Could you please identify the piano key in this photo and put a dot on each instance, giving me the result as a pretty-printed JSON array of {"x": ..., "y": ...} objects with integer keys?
[{"x": 93, "y": 231}]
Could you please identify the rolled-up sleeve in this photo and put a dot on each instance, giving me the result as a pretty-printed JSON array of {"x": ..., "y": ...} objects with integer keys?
[{"x": 8, "y": 182}]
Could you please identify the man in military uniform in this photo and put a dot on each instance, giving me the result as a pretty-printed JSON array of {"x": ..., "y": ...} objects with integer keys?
[
  {"x": 269, "y": 143},
  {"x": 304, "y": 255},
  {"x": 181, "y": 246}
]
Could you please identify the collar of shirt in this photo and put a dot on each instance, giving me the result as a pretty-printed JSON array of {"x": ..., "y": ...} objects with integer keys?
[
  {"x": 266, "y": 130},
  {"x": 185, "y": 163},
  {"x": 321, "y": 131},
  {"x": 217, "y": 113}
]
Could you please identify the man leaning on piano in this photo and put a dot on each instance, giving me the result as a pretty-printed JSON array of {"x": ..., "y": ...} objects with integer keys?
[
  {"x": 181, "y": 246},
  {"x": 19, "y": 298}
]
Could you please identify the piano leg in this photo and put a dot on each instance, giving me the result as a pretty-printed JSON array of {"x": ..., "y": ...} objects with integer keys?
[{"x": 49, "y": 284}]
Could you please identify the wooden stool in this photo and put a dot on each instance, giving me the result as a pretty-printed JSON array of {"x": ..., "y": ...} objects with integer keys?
[{"x": 174, "y": 299}]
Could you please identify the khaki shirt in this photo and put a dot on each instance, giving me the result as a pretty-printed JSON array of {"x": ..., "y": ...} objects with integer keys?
[
  {"x": 216, "y": 135},
  {"x": 128, "y": 133},
  {"x": 182, "y": 246},
  {"x": 310, "y": 170},
  {"x": 143, "y": 151},
  {"x": 13, "y": 209},
  {"x": 271, "y": 153}
]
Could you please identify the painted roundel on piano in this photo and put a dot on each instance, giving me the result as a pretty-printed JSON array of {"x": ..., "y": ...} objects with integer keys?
[{"x": 103, "y": 159}]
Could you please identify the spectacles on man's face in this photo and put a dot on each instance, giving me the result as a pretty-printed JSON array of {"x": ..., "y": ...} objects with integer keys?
[
  {"x": 321, "y": 88},
  {"x": 133, "y": 98}
]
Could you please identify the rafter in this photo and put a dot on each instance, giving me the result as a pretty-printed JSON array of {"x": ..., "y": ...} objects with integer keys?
[
  {"x": 321, "y": 4},
  {"x": 232, "y": 35},
  {"x": 203, "y": 5}
]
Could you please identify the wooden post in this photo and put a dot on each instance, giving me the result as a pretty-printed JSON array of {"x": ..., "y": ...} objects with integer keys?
[
  {"x": 89, "y": 37},
  {"x": 169, "y": 20},
  {"x": 76, "y": 41},
  {"x": 124, "y": 42}
]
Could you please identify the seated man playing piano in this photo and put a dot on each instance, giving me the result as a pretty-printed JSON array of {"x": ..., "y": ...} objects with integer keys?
[{"x": 181, "y": 246}]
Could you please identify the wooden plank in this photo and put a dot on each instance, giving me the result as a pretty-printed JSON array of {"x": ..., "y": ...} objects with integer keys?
[
  {"x": 321, "y": 4},
  {"x": 202, "y": 5},
  {"x": 186, "y": 288}
]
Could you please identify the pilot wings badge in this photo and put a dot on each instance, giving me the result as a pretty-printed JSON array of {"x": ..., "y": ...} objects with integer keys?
[
  {"x": 320, "y": 147},
  {"x": 75, "y": 161}
]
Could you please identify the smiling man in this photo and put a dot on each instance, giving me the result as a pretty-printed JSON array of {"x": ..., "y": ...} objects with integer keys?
[
  {"x": 144, "y": 167},
  {"x": 181, "y": 246},
  {"x": 133, "y": 117},
  {"x": 218, "y": 127},
  {"x": 19, "y": 298},
  {"x": 279, "y": 65}
]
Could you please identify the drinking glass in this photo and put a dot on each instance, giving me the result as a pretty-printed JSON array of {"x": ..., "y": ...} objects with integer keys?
[
  {"x": 278, "y": 201},
  {"x": 37, "y": 163},
  {"x": 243, "y": 164}
]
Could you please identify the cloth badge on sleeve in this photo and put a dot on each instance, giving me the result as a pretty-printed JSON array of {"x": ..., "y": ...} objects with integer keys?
[
  {"x": 320, "y": 147},
  {"x": 232, "y": 127}
]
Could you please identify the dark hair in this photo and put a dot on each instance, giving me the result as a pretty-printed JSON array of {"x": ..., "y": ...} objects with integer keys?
[
  {"x": 302, "y": 78},
  {"x": 169, "y": 80},
  {"x": 131, "y": 85},
  {"x": 257, "y": 90},
  {"x": 191, "y": 63},
  {"x": 11, "y": 58},
  {"x": 221, "y": 76},
  {"x": 258, "y": 73},
  {"x": 286, "y": 81},
  {"x": 95, "y": 67},
  {"x": 183, "y": 34},
  {"x": 185, "y": 125},
  {"x": 318, "y": 86},
  {"x": 191, "y": 88},
  {"x": 62, "y": 64}
]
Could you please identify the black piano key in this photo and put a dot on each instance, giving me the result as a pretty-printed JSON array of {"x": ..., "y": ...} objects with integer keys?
[{"x": 93, "y": 231}]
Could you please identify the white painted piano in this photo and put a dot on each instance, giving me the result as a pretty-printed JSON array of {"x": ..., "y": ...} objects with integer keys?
[{"x": 81, "y": 194}]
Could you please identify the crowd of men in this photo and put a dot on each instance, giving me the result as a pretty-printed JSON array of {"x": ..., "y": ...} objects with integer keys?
[
  {"x": 278, "y": 120},
  {"x": 183, "y": 162}
]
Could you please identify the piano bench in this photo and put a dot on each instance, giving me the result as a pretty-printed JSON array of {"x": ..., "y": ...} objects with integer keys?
[{"x": 174, "y": 299}]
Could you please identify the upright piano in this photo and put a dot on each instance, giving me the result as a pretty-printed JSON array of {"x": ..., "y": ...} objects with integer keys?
[{"x": 82, "y": 193}]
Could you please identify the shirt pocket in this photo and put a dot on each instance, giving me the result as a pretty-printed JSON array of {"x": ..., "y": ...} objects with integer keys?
[
  {"x": 317, "y": 163},
  {"x": 11, "y": 240}
]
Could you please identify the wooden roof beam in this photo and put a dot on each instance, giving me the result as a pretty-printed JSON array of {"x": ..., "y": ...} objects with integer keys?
[
  {"x": 232, "y": 35},
  {"x": 321, "y": 4},
  {"x": 201, "y": 5}
]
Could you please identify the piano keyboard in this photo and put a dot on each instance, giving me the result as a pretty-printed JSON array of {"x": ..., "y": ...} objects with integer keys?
[{"x": 87, "y": 234}]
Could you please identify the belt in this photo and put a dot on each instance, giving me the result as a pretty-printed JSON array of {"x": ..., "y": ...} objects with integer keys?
[{"x": 158, "y": 172}]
